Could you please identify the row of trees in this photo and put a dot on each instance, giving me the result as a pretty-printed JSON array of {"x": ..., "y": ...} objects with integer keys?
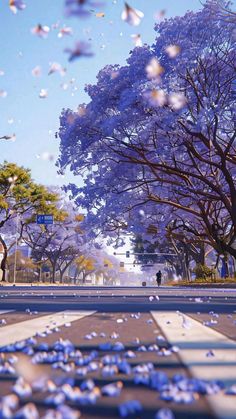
[
  {"x": 156, "y": 145},
  {"x": 53, "y": 247}
]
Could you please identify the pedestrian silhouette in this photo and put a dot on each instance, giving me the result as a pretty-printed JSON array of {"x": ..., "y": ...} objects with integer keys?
[{"x": 158, "y": 278}]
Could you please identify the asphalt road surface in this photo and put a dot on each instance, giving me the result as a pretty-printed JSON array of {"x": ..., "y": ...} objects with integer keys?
[
  {"x": 118, "y": 299},
  {"x": 155, "y": 349}
]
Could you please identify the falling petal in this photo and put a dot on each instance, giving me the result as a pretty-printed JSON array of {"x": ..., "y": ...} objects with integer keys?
[
  {"x": 56, "y": 67},
  {"x": 137, "y": 40},
  {"x": 172, "y": 50},
  {"x": 160, "y": 15},
  {"x": 9, "y": 137},
  {"x": 81, "y": 110},
  {"x": 36, "y": 71},
  {"x": 65, "y": 31},
  {"x": 154, "y": 68},
  {"x": 16, "y": 5},
  {"x": 81, "y": 49},
  {"x": 41, "y": 31},
  {"x": 46, "y": 156},
  {"x": 64, "y": 86},
  {"x": 177, "y": 101},
  {"x": 3, "y": 93},
  {"x": 81, "y": 8},
  {"x": 100, "y": 14},
  {"x": 131, "y": 16},
  {"x": 157, "y": 97},
  {"x": 43, "y": 94}
]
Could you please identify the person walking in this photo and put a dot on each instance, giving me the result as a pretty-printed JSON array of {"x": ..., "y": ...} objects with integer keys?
[{"x": 158, "y": 278}]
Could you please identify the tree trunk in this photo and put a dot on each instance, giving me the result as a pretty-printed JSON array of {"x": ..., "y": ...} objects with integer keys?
[
  {"x": 202, "y": 254},
  {"x": 62, "y": 271},
  {"x": 229, "y": 249},
  {"x": 4, "y": 260},
  {"x": 225, "y": 267},
  {"x": 186, "y": 266},
  {"x": 61, "y": 275},
  {"x": 75, "y": 276},
  {"x": 234, "y": 267},
  {"x": 53, "y": 273},
  {"x": 226, "y": 262},
  {"x": 217, "y": 263},
  {"x": 179, "y": 268}
]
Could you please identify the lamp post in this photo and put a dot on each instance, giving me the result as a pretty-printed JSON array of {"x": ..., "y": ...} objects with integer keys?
[{"x": 16, "y": 246}]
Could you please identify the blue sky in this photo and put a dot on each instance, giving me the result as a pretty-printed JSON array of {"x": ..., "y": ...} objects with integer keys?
[{"x": 35, "y": 120}]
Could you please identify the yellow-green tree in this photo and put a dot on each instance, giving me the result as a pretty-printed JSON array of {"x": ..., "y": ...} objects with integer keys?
[
  {"x": 25, "y": 265},
  {"x": 85, "y": 265},
  {"x": 21, "y": 196}
]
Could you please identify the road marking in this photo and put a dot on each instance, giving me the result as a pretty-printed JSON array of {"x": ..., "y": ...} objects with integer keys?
[
  {"x": 26, "y": 329},
  {"x": 6, "y": 311},
  {"x": 194, "y": 343}
]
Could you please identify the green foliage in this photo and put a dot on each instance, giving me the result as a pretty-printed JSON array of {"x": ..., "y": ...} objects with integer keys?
[
  {"x": 20, "y": 194},
  {"x": 203, "y": 271}
]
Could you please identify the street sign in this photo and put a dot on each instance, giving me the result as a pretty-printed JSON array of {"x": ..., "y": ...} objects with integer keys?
[{"x": 45, "y": 219}]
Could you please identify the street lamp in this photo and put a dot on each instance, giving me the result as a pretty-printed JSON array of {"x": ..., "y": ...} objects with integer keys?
[{"x": 16, "y": 245}]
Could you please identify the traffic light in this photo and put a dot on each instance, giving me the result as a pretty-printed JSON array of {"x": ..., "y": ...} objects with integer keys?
[{"x": 127, "y": 254}]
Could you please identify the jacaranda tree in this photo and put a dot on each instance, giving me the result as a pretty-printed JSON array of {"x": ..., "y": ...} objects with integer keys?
[{"x": 161, "y": 130}]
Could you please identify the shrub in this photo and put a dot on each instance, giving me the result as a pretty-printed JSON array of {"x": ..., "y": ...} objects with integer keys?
[{"x": 203, "y": 271}]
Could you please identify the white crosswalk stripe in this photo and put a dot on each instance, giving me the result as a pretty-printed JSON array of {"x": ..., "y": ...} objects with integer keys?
[
  {"x": 25, "y": 329},
  {"x": 194, "y": 341},
  {"x": 6, "y": 311}
]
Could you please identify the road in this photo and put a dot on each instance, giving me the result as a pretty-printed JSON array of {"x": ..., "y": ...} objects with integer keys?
[
  {"x": 120, "y": 335},
  {"x": 118, "y": 299}
]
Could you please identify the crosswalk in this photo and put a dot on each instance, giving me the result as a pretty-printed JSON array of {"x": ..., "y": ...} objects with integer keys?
[
  {"x": 28, "y": 328},
  {"x": 6, "y": 311},
  {"x": 206, "y": 353}
]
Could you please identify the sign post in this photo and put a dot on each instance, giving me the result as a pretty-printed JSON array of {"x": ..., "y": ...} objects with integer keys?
[{"x": 1, "y": 258}]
